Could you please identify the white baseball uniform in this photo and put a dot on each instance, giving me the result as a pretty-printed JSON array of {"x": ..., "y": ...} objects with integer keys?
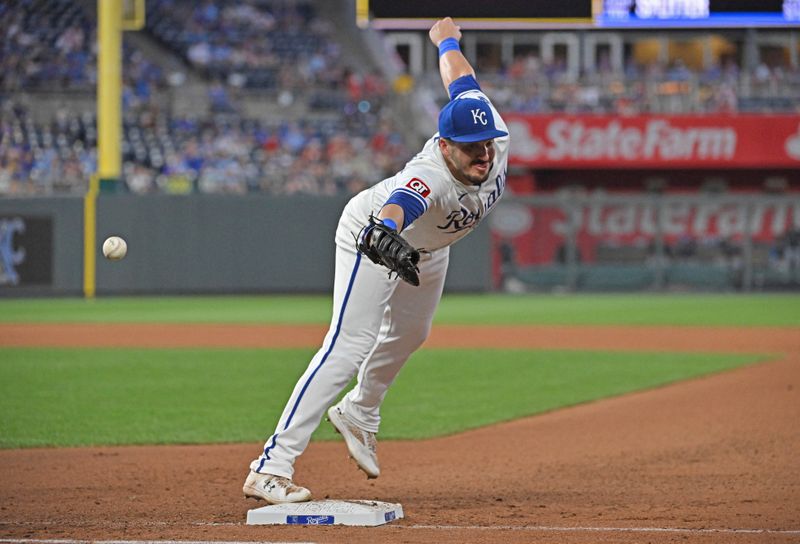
[{"x": 378, "y": 321}]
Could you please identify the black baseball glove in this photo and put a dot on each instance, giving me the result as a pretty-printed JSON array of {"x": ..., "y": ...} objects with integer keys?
[{"x": 384, "y": 246}]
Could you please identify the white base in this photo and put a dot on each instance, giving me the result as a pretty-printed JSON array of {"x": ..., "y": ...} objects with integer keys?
[{"x": 363, "y": 513}]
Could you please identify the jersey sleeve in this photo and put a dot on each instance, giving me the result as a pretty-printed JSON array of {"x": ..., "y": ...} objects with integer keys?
[
  {"x": 462, "y": 85},
  {"x": 412, "y": 192}
]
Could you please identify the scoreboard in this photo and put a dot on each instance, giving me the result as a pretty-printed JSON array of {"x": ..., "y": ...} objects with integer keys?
[
  {"x": 509, "y": 14},
  {"x": 698, "y": 13},
  {"x": 474, "y": 14}
]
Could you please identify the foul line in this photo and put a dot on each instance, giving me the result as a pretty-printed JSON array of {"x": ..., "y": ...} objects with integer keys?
[
  {"x": 67, "y": 541},
  {"x": 545, "y": 528}
]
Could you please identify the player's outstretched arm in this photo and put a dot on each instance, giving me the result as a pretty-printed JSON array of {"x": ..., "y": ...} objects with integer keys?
[
  {"x": 445, "y": 35},
  {"x": 394, "y": 213}
]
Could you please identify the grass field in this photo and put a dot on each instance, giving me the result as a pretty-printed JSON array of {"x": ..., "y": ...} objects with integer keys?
[
  {"x": 72, "y": 397},
  {"x": 155, "y": 396},
  {"x": 689, "y": 309}
]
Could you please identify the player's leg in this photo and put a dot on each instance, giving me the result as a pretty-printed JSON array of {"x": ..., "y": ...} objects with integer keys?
[
  {"x": 405, "y": 327},
  {"x": 406, "y": 323},
  {"x": 360, "y": 292}
]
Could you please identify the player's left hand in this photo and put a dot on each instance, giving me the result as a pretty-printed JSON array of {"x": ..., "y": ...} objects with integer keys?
[{"x": 384, "y": 246}]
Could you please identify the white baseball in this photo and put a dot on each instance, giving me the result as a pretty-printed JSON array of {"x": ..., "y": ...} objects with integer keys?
[{"x": 115, "y": 248}]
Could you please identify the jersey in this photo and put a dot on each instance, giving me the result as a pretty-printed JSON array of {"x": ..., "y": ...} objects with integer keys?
[{"x": 451, "y": 209}]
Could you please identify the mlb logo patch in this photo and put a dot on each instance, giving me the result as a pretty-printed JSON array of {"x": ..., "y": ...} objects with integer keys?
[{"x": 418, "y": 186}]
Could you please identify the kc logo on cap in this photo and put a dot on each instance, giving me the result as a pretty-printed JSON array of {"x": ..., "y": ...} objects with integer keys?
[
  {"x": 468, "y": 120},
  {"x": 479, "y": 116}
]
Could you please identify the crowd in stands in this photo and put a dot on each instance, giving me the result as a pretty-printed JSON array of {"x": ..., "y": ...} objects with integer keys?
[
  {"x": 58, "y": 158},
  {"x": 261, "y": 44},
  {"x": 51, "y": 45},
  {"x": 271, "y": 45},
  {"x": 224, "y": 154},
  {"x": 215, "y": 154}
]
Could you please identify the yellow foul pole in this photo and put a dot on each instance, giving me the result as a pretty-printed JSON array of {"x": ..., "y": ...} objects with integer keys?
[
  {"x": 109, "y": 92},
  {"x": 89, "y": 237},
  {"x": 109, "y": 121}
]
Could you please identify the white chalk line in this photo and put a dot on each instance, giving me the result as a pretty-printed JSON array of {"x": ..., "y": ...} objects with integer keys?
[
  {"x": 68, "y": 541},
  {"x": 545, "y": 528},
  {"x": 115, "y": 524}
]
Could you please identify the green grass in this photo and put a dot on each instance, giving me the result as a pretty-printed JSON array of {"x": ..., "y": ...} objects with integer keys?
[
  {"x": 633, "y": 309},
  {"x": 73, "y": 397},
  {"x": 59, "y": 397},
  {"x": 209, "y": 309}
]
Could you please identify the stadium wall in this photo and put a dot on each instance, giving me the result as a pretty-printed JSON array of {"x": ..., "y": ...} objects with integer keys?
[
  {"x": 197, "y": 244},
  {"x": 41, "y": 245}
]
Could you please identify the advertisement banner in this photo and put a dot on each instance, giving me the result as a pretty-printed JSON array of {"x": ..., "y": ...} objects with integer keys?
[
  {"x": 26, "y": 251},
  {"x": 657, "y": 141},
  {"x": 538, "y": 235}
]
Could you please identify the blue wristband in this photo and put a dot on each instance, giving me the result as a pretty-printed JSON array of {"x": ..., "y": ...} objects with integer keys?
[
  {"x": 389, "y": 223},
  {"x": 448, "y": 44}
]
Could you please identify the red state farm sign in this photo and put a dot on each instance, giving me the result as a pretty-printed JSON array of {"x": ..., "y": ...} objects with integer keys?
[{"x": 735, "y": 141}]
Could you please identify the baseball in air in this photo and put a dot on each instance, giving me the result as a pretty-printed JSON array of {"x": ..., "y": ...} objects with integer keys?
[{"x": 114, "y": 248}]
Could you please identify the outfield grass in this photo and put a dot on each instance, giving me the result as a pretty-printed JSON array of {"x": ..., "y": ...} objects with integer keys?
[
  {"x": 59, "y": 397},
  {"x": 75, "y": 397},
  {"x": 633, "y": 309}
]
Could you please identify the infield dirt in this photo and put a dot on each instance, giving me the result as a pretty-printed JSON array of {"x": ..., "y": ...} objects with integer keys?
[{"x": 709, "y": 460}]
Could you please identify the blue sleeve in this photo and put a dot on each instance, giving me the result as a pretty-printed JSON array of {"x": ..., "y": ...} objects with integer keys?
[
  {"x": 463, "y": 84},
  {"x": 413, "y": 205}
]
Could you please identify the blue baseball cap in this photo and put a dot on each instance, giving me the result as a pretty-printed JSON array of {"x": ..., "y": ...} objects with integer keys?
[{"x": 468, "y": 120}]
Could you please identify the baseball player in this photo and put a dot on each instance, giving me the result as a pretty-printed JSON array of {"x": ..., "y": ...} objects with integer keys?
[{"x": 382, "y": 316}]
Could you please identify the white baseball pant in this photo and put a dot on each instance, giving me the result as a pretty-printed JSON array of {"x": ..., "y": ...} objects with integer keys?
[{"x": 377, "y": 324}]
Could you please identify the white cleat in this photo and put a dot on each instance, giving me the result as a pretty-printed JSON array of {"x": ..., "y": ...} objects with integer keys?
[
  {"x": 273, "y": 489},
  {"x": 361, "y": 444}
]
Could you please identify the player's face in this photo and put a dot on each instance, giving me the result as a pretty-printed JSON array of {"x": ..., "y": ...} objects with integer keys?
[{"x": 469, "y": 162}]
